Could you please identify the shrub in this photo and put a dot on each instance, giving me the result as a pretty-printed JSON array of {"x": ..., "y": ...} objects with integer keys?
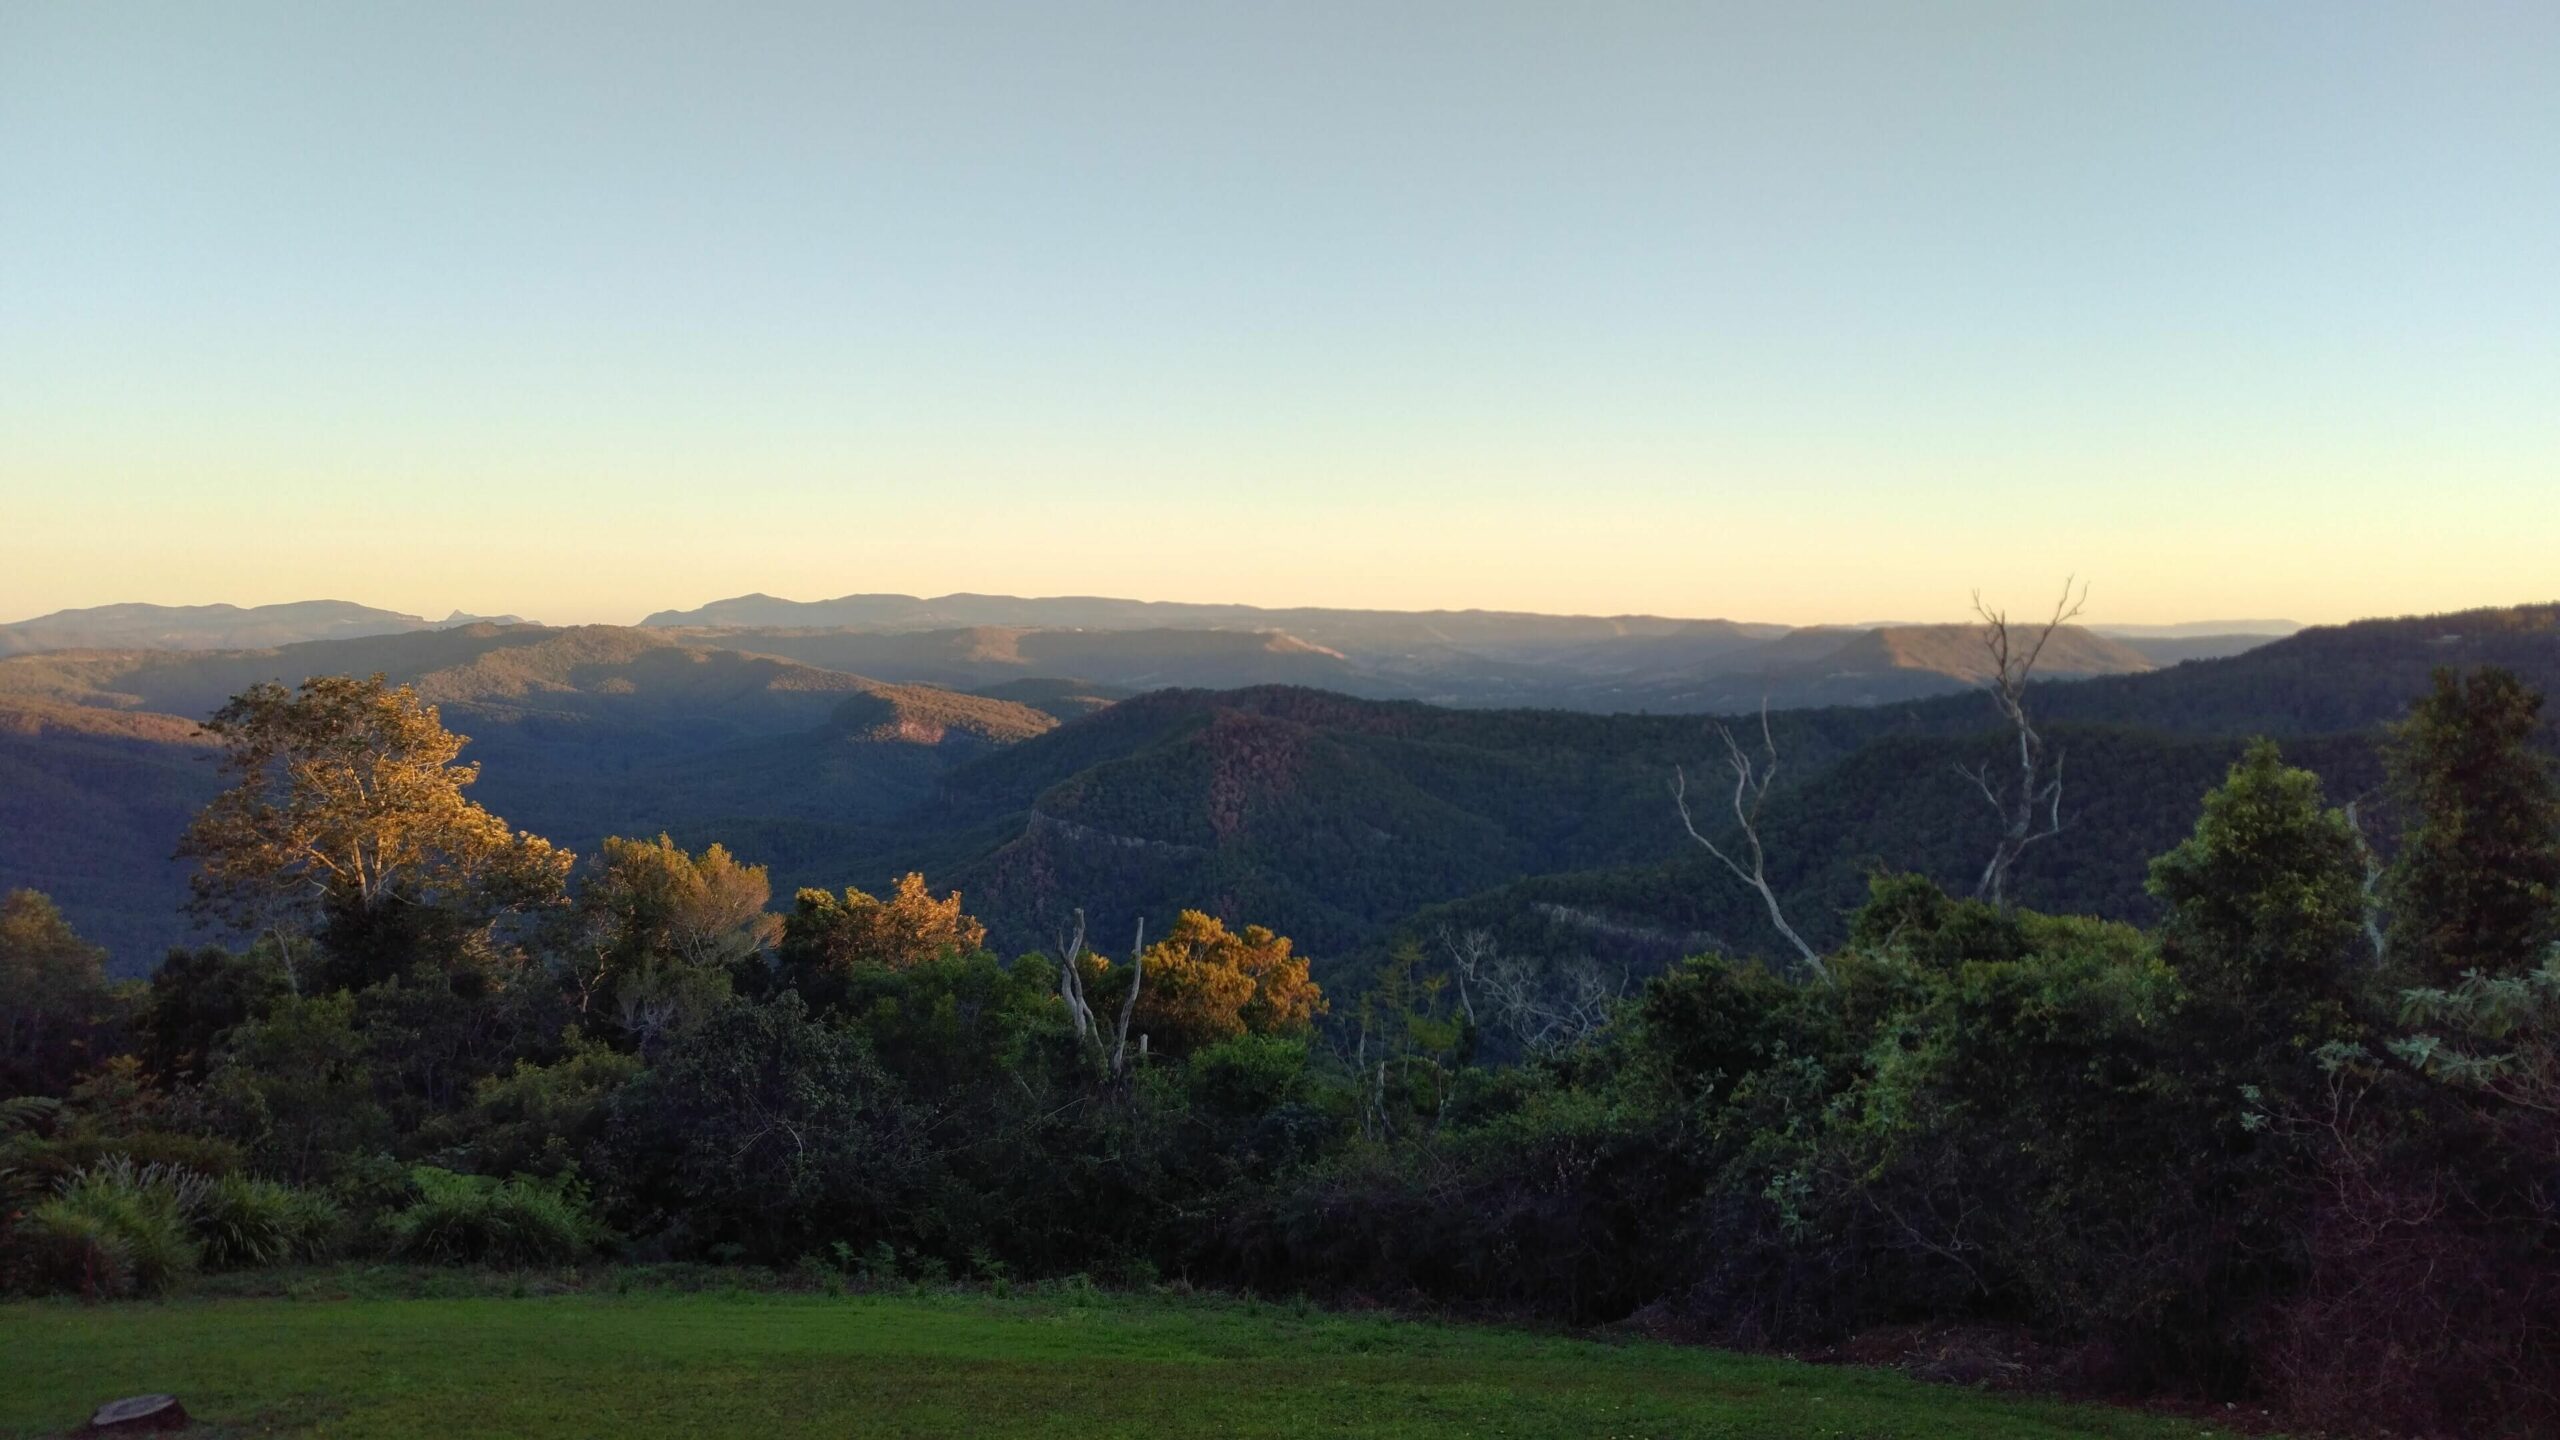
[
  {"x": 114, "y": 1229},
  {"x": 477, "y": 1219},
  {"x": 243, "y": 1223}
]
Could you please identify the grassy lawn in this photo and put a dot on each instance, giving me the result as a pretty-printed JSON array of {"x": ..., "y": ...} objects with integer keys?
[{"x": 769, "y": 1365}]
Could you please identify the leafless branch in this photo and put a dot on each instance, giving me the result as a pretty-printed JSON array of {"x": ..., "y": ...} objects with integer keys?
[
  {"x": 1071, "y": 983},
  {"x": 1751, "y": 780},
  {"x": 2029, "y": 801},
  {"x": 1542, "y": 1008}
]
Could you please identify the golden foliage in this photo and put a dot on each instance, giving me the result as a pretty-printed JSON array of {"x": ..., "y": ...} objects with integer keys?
[
  {"x": 347, "y": 793},
  {"x": 656, "y": 930},
  {"x": 909, "y": 928},
  {"x": 1204, "y": 983}
]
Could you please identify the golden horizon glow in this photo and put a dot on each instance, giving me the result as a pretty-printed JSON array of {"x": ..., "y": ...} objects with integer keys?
[{"x": 1801, "y": 315}]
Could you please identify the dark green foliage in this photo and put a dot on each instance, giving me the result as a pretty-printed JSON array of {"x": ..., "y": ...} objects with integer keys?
[
  {"x": 2265, "y": 918},
  {"x": 57, "y": 1015},
  {"x": 1906, "y": 915},
  {"x": 242, "y": 1222},
  {"x": 768, "y": 1132},
  {"x": 545, "y": 1120},
  {"x": 434, "y": 1035},
  {"x": 2477, "y": 883},
  {"x": 949, "y": 1025},
  {"x": 298, "y": 1088},
  {"x": 2267, "y": 894},
  {"x": 199, "y": 997},
  {"x": 115, "y": 1229},
  {"x": 476, "y": 1219},
  {"x": 2221, "y": 1156}
]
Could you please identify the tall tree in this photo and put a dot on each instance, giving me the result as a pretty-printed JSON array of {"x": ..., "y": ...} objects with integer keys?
[
  {"x": 1205, "y": 983},
  {"x": 658, "y": 935},
  {"x": 346, "y": 809},
  {"x": 2265, "y": 901},
  {"x": 54, "y": 1000},
  {"x": 1752, "y": 777},
  {"x": 824, "y": 938},
  {"x": 2477, "y": 882}
]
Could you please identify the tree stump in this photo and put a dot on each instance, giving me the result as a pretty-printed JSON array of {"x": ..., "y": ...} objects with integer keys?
[{"x": 138, "y": 1414}]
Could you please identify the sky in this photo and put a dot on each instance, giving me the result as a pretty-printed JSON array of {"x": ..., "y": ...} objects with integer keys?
[{"x": 1803, "y": 312}]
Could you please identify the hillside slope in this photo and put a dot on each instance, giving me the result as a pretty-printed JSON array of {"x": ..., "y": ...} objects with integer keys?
[
  {"x": 1340, "y": 819},
  {"x": 579, "y": 733}
]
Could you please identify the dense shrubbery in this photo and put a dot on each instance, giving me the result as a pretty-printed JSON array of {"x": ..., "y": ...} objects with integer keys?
[
  {"x": 244, "y": 1222},
  {"x": 118, "y": 1229},
  {"x": 2278, "y": 1144},
  {"x": 475, "y": 1219},
  {"x": 124, "y": 1227}
]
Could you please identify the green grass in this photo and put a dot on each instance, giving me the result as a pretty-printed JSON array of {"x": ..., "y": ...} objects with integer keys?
[{"x": 773, "y": 1365}]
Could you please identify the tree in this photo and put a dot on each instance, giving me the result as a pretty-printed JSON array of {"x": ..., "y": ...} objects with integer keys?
[
  {"x": 2266, "y": 898},
  {"x": 823, "y": 938},
  {"x": 2028, "y": 796},
  {"x": 1205, "y": 983},
  {"x": 1073, "y": 963},
  {"x": 1751, "y": 780},
  {"x": 1536, "y": 1007},
  {"x": 770, "y": 1131},
  {"x": 198, "y": 997},
  {"x": 2477, "y": 882},
  {"x": 346, "y": 809},
  {"x": 54, "y": 999},
  {"x": 298, "y": 1086},
  {"x": 657, "y": 935},
  {"x": 544, "y": 1120}
]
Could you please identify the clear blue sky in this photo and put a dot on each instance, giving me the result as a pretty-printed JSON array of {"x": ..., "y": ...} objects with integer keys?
[{"x": 1785, "y": 311}]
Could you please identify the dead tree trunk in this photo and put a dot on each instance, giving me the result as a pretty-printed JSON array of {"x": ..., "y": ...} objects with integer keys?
[
  {"x": 2027, "y": 796},
  {"x": 1750, "y": 791},
  {"x": 1115, "y": 1054}
]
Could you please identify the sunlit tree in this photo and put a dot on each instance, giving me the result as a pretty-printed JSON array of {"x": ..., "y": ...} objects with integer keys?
[
  {"x": 825, "y": 937},
  {"x": 346, "y": 809},
  {"x": 658, "y": 934},
  {"x": 1206, "y": 983}
]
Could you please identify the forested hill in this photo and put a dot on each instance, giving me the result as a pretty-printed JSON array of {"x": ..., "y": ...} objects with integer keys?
[
  {"x": 1355, "y": 822},
  {"x": 579, "y": 733},
  {"x": 1346, "y": 822}
]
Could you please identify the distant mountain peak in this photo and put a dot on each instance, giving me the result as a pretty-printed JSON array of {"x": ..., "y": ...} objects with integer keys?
[{"x": 136, "y": 626}]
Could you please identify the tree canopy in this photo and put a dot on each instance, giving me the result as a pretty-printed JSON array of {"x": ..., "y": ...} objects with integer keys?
[
  {"x": 346, "y": 802},
  {"x": 2477, "y": 884}
]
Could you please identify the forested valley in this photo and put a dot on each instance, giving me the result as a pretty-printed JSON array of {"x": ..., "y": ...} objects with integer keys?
[{"x": 2217, "y": 1057}]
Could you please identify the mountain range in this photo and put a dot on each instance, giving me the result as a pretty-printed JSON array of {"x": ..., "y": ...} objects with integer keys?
[
  {"x": 1141, "y": 771},
  {"x": 1455, "y": 657},
  {"x": 214, "y": 627}
]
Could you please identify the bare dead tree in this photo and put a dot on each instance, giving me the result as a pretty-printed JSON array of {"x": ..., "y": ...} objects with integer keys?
[
  {"x": 1071, "y": 984},
  {"x": 1129, "y": 1005},
  {"x": 1553, "y": 1007},
  {"x": 1469, "y": 953},
  {"x": 1115, "y": 1054},
  {"x": 2028, "y": 799},
  {"x": 1751, "y": 780}
]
